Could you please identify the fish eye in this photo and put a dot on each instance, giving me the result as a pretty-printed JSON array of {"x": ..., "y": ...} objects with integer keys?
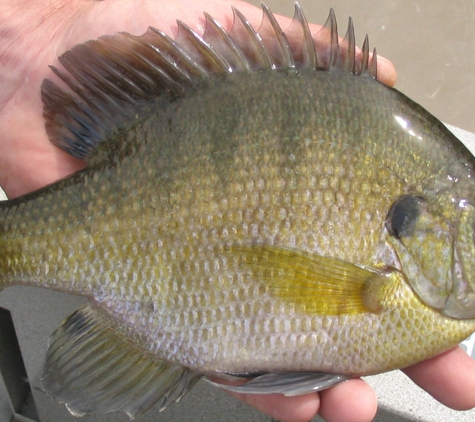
[{"x": 402, "y": 216}]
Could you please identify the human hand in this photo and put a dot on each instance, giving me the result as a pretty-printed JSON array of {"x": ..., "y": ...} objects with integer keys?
[
  {"x": 34, "y": 33},
  {"x": 449, "y": 378}
]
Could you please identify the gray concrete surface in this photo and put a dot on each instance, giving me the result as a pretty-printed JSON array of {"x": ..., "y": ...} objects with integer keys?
[{"x": 432, "y": 45}]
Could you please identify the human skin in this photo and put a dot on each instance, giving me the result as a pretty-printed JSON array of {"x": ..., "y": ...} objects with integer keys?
[{"x": 33, "y": 33}]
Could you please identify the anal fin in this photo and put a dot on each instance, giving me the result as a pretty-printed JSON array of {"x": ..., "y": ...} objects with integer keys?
[
  {"x": 94, "y": 368},
  {"x": 287, "y": 383}
]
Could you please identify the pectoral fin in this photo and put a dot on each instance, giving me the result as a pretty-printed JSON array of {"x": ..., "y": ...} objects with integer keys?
[
  {"x": 314, "y": 284},
  {"x": 94, "y": 368},
  {"x": 287, "y": 383}
]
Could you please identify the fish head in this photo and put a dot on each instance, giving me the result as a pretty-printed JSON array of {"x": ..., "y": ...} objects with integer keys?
[{"x": 433, "y": 237}]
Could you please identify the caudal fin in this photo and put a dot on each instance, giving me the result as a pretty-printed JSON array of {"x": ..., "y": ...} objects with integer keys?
[{"x": 3, "y": 197}]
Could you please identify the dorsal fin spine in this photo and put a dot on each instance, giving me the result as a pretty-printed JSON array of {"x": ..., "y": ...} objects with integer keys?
[
  {"x": 365, "y": 56},
  {"x": 349, "y": 40},
  {"x": 332, "y": 26},
  {"x": 113, "y": 77},
  {"x": 205, "y": 55},
  {"x": 261, "y": 57},
  {"x": 228, "y": 51},
  {"x": 373, "y": 65},
  {"x": 152, "y": 42},
  {"x": 309, "y": 52},
  {"x": 175, "y": 57},
  {"x": 286, "y": 59}
]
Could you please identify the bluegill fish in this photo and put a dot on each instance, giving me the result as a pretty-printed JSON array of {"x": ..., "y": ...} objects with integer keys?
[{"x": 252, "y": 207}]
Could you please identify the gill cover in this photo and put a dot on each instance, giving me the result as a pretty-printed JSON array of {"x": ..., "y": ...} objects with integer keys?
[{"x": 433, "y": 237}]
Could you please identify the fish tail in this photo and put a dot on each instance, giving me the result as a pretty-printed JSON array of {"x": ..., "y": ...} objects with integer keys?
[
  {"x": 40, "y": 242},
  {"x": 6, "y": 256},
  {"x": 22, "y": 249}
]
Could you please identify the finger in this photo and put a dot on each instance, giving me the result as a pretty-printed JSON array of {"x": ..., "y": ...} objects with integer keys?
[
  {"x": 386, "y": 71},
  {"x": 449, "y": 378},
  {"x": 286, "y": 409},
  {"x": 351, "y": 401}
]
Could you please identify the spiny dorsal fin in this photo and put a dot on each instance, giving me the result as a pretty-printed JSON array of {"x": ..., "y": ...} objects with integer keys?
[
  {"x": 95, "y": 369},
  {"x": 114, "y": 78}
]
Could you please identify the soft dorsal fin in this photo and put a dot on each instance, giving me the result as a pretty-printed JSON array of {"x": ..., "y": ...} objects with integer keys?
[{"x": 113, "y": 79}]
